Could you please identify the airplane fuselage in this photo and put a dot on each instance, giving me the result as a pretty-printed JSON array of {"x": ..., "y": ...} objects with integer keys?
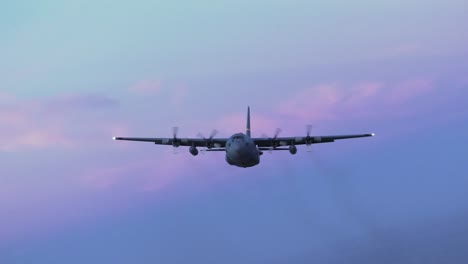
[{"x": 241, "y": 151}]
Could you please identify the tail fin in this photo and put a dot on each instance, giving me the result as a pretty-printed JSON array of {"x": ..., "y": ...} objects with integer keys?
[{"x": 248, "y": 122}]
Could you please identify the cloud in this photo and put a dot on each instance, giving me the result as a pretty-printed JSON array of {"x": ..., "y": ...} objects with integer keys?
[
  {"x": 361, "y": 101},
  {"x": 36, "y": 139},
  {"x": 153, "y": 174},
  {"x": 147, "y": 87},
  {"x": 327, "y": 102},
  {"x": 415, "y": 243},
  {"x": 179, "y": 95},
  {"x": 80, "y": 102},
  {"x": 54, "y": 122},
  {"x": 11, "y": 117},
  {"x": 410, "y": 89},
  {"x": 173, "y": 93},
  {"x": 312, "y": 103},
  {"x": 235, "y": 123},
  {"x": 6, "y": 97}
]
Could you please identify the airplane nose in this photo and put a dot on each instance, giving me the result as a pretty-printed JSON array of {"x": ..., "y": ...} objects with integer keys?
[{"x": 237, "y": 149}]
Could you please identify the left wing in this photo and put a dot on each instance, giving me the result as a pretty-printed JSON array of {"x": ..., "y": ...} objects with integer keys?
[
  {"x": 289, "y": 141},
  {"x": 196, "y": 142}
]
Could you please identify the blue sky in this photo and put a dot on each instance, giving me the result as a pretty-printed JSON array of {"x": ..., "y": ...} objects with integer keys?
[{"x": 74, "y": 75}]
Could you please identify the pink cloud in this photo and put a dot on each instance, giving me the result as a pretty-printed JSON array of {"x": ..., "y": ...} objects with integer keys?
[
  {"x": 25, "y": 129},
  {"x": 365, "y": 90},
  {"x": 12, "y": 117},
  {"x": 30, "y": 210},
  {"x": 313, "y": 103},
  {"x": 365, "y": 99},
  {"x": 147, "y": 87},
  {"x": 6, "y": 97},
  {"x": 174, "y": 93},
  {"x": 410, "y": 89},
  {"x": 36, "y": 139},
  {"x": 179, "y": 94},
  {"x": 153, "y": 174},
  {"x": 235, "y": 123},
  {"x": 54, "y": 122},
  {"x": 78, "y": 102}
]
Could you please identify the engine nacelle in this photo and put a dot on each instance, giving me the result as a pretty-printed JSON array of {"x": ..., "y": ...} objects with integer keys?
[
  {"x": 292, "y": 149},
  {"x": 193, "y": 150}
]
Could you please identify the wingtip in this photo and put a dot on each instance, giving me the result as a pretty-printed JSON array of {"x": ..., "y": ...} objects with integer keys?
[
  {"x": 114, "y": 138},
  {"x": 372, "y": 135}
]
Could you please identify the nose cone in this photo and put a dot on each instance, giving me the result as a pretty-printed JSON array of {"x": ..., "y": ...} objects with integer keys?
[
  {"x": 239, "y": 149},
  {"x": 243, "y": 154}
]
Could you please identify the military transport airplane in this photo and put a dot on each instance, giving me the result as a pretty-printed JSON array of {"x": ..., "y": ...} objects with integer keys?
[{"x": 241, "y": 149}]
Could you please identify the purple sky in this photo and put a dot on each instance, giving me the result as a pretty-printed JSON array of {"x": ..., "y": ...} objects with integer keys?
[{"x": 75, "y": 75}]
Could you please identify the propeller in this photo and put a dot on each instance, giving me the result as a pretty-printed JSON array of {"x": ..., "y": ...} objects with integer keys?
[
  {"x": 175, "y": 140},
  {"x": 274, "y": 143},
  {"x": 175, "y": 130},
  {"x": 209, "y": 140},
  {"x": 277, "y": 132},
  {"x": 213, "y": 133},
  {"x": 308, "y": 139}
]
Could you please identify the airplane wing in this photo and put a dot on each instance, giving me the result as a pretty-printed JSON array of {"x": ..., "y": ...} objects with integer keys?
[
  {"x": 197, "y": 142},
  {"x": 288, "y": 141}
]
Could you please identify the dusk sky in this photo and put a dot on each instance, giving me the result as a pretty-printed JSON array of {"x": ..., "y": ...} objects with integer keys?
[{"x": 75, "y": 74}]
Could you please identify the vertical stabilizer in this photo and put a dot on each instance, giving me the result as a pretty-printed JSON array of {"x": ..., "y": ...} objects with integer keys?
[{"x": 248, "y": 122}]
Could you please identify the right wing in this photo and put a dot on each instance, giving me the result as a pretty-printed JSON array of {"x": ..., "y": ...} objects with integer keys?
[{"x": 288, "y": 141}]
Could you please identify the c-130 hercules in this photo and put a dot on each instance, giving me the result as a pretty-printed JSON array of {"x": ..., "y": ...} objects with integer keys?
[{"x": 241, "y": 149}]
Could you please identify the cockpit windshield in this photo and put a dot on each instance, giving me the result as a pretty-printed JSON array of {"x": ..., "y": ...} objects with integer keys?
[{"x": 238, "y": 136}]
